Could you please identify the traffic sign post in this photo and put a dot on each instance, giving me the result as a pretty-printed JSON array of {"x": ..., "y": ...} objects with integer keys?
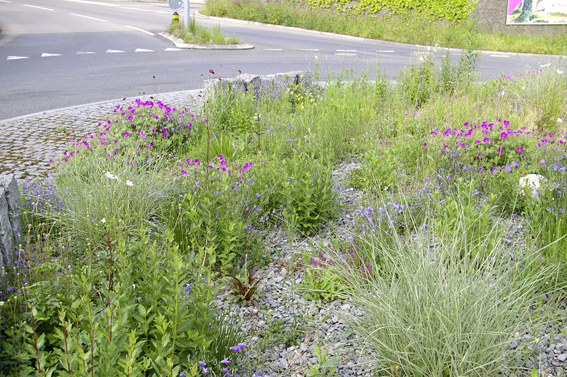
[
  {"x": 176, "y": 5},
  {"x": 186, "y": 20}
]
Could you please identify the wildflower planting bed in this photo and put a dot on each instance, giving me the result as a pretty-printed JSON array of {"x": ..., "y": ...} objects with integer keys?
[{"x": 127, "y": 245}]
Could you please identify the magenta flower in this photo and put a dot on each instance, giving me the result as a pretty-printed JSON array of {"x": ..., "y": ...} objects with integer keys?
[
  {"x": 503, "y": 135},
  {"x": 520, "y": 150},
  {"x": 126, "y": 133},
  {"x": 499, "y": 150},
  {"x": 424, "y": 144},
  {"x": 486, "y": 139}
]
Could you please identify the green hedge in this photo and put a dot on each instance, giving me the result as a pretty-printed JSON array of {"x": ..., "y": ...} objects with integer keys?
[{"x": 452, "y": 10}]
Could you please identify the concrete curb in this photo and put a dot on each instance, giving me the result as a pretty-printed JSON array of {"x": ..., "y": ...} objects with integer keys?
[
  {"x": 360, "y": 39},
  {"x": 178, "y": 42}
]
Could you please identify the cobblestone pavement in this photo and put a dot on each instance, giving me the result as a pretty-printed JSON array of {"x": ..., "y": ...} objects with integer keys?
[{"x": 28, "y": 143}]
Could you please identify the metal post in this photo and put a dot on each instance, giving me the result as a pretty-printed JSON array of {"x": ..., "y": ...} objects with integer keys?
[{"x": 186, "y": 20}]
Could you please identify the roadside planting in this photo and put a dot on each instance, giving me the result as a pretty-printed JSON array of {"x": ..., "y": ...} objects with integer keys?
[{"x": 141, "y": 225}]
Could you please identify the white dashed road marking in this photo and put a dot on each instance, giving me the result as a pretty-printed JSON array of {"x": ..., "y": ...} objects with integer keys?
[
  {"x": 109, "y": 51},
  {"x": 135, "y": 28},
  {"x": 85, "y": 53},
  {"x": 308, "y": 49},
  {"x": 172, "y": 49},
  {"x": 385, "y": 50},
  {"x": 17, "y": 57},
  {"x": 500, "y": 56},
  {"x": 90, "y": 18},
  {"x": 5, "y": 1},
  {"x": 36, "y": 7},
  {"x": 143, "y": 50},
  {"x": 346, "y": 50},
  {"x": 345, "y": 54},
  {"x": 48, "y": 55}
]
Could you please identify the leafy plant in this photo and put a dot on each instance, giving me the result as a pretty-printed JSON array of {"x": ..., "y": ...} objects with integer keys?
[
  {"x": 323, "y": 367},
  {"x": 308, "y": 195},
  {"x": 244, "y": 289}
]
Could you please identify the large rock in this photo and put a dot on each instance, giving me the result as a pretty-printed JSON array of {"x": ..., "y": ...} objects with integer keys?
[
  {"x": 10, "y": 217},
  {"x": 246, "y": 81},
  {"x": 534, "y": 182}
]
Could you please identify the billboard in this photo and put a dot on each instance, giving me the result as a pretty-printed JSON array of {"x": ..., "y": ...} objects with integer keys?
[{"x": 537, "y": 12}]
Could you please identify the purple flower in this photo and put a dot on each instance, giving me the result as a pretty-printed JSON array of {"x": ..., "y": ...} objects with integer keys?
[
  {"x": 424, "y": 144},
  {"x": 226, "y": 361},
  {"x": 182, "y": 374},
  {"x": 542, "y": 162},
  {"x": 205, "y": 371},
  {"x": 202, "y": 363}
]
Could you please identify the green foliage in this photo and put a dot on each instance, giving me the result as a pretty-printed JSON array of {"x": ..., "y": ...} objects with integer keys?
[
  {"x": 324, "y": 367},
  {"x": 201, "y": 35},
  {"x": 461, "y": 217},
  {"x": 126, "y": 191},
  {"x": 277, "y": 332},
  {"x": 308, "y": 194},
  {"x": 321, "y": 284},
  {"x": 443, "y": 301},
  {"x": 211, "y": 213},
  {"x": 140, "y": 308},
  {"x": 452, "y": 10}
]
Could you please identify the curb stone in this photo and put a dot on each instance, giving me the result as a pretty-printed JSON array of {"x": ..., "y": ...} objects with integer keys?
[
  {"x": 361, "y": 39},
  {"x": 179, "y": 43}
]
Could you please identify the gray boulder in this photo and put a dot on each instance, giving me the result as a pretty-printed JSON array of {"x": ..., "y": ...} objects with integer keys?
[{"x": 10, "y": 217}]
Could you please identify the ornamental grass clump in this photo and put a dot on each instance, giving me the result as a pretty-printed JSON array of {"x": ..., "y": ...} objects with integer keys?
[{"x": 428, "y": 313}]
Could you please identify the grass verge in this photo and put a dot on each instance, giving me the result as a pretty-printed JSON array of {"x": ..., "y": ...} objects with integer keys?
[
  {"x": 201, "y": 35},
  {"x": 413, "y": 30}
]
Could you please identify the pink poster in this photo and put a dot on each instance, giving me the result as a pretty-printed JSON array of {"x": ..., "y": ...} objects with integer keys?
[{"x": 537, "y": 12}]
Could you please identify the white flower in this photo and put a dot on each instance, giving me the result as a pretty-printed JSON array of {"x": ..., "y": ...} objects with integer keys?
[
  {"x": 560, "y": 72},
  {"x": 111, "y": 176},
  {"x": 103, "y": 220},
  {"x": 129, "y": 183},
  {"x": 559, "y": 120},
  {"x": 257, "y": 116}
]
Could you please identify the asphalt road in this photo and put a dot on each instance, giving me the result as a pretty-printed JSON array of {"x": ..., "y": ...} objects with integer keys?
[{"x": 59, "y": 53}]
